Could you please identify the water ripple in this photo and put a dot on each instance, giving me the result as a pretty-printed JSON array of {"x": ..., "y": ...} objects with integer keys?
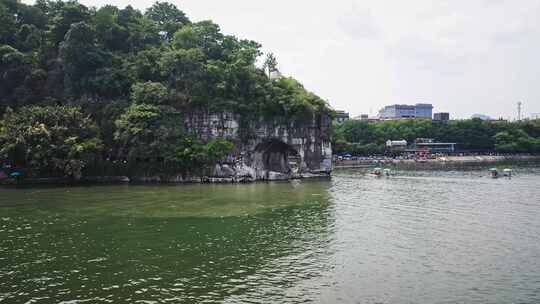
[{"x": 420, "y": 237}]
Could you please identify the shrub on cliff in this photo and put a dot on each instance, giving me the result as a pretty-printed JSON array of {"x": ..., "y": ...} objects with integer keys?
[
  {"x": 147, "y": 131},
  {"x": 152, "y": 138}
]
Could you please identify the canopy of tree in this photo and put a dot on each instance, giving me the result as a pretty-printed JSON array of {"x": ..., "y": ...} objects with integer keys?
[
  {"x": 127, "y": 76},
  {"x": 364, "y": 138}
]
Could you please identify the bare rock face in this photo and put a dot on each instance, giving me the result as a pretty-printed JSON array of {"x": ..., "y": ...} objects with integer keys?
[
  {"x": 267, "y": 150},
  {"x": 277, "y": 176},
  {"x": 244, "y": 173},
  {"x": 224, "y": 171}
]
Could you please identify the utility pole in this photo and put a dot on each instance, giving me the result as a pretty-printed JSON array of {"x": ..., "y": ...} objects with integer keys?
[{"x": 520, "y": 104}]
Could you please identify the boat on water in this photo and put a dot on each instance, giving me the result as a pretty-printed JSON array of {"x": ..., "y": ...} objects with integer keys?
[
  {"x": 508, "y": 172},
  {"x": 377, "y": 172},
  {"x": 494, "y": 173}
]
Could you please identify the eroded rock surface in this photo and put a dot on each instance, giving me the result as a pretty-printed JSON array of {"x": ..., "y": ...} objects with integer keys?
[{"x": 269, "y": 150}]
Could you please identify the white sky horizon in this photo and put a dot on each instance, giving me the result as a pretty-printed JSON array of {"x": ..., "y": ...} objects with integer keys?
[{"x": 464, "y": 56}]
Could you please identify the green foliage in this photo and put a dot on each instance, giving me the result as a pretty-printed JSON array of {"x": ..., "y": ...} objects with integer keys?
[
  {"x": 152, "y": 134},
  {"x": 28, "y": 38},
  {"x": 62, "y": 16},
  {"x": 168, "y": 17},
  {"x": 81, "y": 57},
  {"x": 290, "y": 99},
  {"x": 218, "y": 149},
  {"x": 147, "y": 131},
  {"x": 10, "y": 57},
  {"x": 51, "y": 140},
  {"x": 100, "y": 54},
  {"x": 133, "y": 73},
  {"x": 188, "y": 155},
  {"x": 150, "y": 92},
  {"x": 183, "y": 70},
  {"x": 8, "y": 22},
  {"x": 203, "y": 35},
  {"x": 516, "y": 141},
  {"x": 270, "y": 64},
  {"x": 110, "y": 33},
  {"x": 474, "y": 134},
  {"x": 15, "y": 76},
  {"x": 31, "y": 15},
  {"x": 185, "y": 38},
  {"x": 145, "y": 65}
]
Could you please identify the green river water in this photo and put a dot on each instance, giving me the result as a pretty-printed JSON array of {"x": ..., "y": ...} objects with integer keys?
[{"x": 443, "y": 236}]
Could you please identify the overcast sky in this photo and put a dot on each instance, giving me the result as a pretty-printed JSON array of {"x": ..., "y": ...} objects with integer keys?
[{"x": 464, "y": 56}]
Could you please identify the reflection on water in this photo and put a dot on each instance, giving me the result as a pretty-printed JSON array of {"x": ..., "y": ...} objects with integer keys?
[{"x": 419, "y": 237}]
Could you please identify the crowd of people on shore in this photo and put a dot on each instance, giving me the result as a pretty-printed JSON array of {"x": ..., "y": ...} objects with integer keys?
[{"x": 348, "y": 158}]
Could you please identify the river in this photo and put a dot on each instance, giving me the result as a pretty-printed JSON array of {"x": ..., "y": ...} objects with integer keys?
[{"x": 440, "y": 236}]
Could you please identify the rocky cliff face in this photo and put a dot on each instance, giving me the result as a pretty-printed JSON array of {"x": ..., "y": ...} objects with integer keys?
[{"x": 267, "y": 150}]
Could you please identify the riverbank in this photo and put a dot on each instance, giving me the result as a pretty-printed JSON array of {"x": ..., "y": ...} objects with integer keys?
[
  {"x": 277, "y": 176},
  {"x": 164, "y": 179},
  {"x": 447, "y": 160}
]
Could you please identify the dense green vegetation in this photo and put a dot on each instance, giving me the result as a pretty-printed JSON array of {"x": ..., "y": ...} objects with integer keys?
[
  {"x": 80, "y": 87},
  {"x": 364, "y": 138}
]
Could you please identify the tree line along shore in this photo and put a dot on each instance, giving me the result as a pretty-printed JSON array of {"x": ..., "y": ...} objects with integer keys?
[{"x": 363, "y": 138}]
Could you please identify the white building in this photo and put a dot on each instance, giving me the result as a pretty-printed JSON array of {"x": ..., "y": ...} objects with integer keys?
[{"x": 396, "y": 111}]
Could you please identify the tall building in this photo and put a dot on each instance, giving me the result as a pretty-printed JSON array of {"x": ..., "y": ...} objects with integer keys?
[
  {"x": 419, "y": 110},
  {"x": 341, "y": 116},
  {"x": 443, "y": 116}
]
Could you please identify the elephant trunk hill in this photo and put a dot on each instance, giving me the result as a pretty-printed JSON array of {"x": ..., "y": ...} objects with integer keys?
[{"x": 114, "y": 93}]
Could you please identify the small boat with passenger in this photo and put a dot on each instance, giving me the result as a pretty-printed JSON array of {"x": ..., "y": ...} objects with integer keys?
[
  {"x": 494, "y": 173},
  {"x": 377, "y": 172}
]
